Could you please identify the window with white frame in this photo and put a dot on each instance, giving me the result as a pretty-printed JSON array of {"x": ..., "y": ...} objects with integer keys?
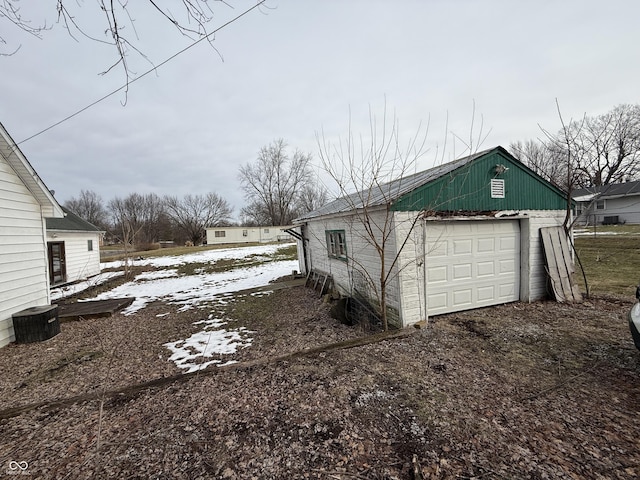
[
  {"x": 245, "y": 233},
  {"x": 90, "y": 245},
  {"x": 336, "y": 244},
  {"x": 220, "y": 233},
  {"x": 600, "y": 205}
]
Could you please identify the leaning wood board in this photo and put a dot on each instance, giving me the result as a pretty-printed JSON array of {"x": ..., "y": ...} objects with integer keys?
[{"x": 559, "y": 264}]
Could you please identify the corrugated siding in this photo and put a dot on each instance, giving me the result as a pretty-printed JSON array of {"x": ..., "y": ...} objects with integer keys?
[
  {"x": 23, "y": 281},
  {"x": 80, "y": 262},
  {"x": 469, "y": 189}
]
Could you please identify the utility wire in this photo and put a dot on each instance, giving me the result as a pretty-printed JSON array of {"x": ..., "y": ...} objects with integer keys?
[{"x": 143, "y": 75}]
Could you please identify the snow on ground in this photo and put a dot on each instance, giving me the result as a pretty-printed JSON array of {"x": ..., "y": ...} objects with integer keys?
[
  {"x": 202, "y": 256},
  {"x": 194, "y": 290},
  {"x": 67, "y": 290},
  {"x": 209, "y": 342}
]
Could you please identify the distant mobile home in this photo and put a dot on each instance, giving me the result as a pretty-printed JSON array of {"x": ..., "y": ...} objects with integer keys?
[
  {"x": 25, "y": 203},
  {"x": 267, "y": 234}
]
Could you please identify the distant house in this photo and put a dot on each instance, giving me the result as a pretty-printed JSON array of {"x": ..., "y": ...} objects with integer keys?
[
  {"x": 608, "y": 204},
  {"x": 73, "y": 248},
  {"x": 220, "y": 235},
  {"x": 25, "y": 203},
  {"x": 462, "y": 235}
]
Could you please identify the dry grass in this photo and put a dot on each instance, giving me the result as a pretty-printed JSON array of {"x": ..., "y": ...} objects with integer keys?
[{"x": 611, "y": 263}]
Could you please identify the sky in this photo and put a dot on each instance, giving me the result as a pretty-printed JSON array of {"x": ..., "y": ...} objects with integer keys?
[{"x": 459, "y": 71}]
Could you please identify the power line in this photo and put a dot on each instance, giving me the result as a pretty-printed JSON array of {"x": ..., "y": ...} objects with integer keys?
[{"x": 126, "y": 85}]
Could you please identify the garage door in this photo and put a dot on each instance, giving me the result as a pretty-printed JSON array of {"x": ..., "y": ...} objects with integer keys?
[{"x": 471, "y": 264}]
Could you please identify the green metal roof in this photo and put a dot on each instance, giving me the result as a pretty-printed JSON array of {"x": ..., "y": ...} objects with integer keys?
[
  {"x": 461, "y": 185},
  {"x": 468, "y": 188}
]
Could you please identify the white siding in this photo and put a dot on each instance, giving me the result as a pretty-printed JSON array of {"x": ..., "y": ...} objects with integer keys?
[
  {"x": 361, "y": 270},
  {"x": 23, "y": 271},
  {"x": 533, "y": 285},
  {"x": 80, "y": 262},
  {"x": 407, "y": 290}
]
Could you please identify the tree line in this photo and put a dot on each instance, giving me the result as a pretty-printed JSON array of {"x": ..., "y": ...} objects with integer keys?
[
  {"x": 278, "y": 187},
  {"x": 590, "y": 152}
]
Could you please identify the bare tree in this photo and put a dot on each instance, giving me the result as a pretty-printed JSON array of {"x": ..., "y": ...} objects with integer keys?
[
  {"x": 274, "y": 183},
  {"x": 589, "y": 152},
  {"x": 89, "y": 206},
  {"x": 607, "y": 146},
  {"x": 544, "y": 158},
  {"x": 189, "y": 17},
  {"x": 362, "y": 168},
  {"x": 311, "y": 197},
  {"x": 194, "y": 213}
]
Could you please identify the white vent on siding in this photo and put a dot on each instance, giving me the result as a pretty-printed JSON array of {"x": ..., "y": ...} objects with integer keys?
[{"x": 497, "y": 188}]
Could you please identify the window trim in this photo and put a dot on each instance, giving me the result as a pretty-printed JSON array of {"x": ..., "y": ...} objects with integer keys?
[
  {"x": 89, "y": 245},
  {"x": 219, "y": 234},
  {"x": 336, "y": 244},
  {"x": 599, "y": 203}
]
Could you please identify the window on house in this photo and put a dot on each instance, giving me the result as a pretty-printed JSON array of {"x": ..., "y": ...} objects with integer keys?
[
  {"x": 579, "y": 208},
  {"x": 336, "y": 244},
  {"x": 600, "y": 205},
  {"x": 266, "y": 230},
  {"x": 245, "y": 233},
  {"x": 90, "y": 245},
  {"x": 220, "y": 233}
]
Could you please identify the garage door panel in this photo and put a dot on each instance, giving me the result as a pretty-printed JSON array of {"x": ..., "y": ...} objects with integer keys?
[
  {"x": 437, "y": 301},
  {"x": 462, "y": 272},
  {"x": 486, "y": 245},
  {"x": 437, "y": 274},
  {"x": 486, "y": 293},
  {"x": 462, "y": 298},
  {"x": 477, "y": 264},
  {"x": 485, "y": 268},
  {"x": 462, "y": 247}
]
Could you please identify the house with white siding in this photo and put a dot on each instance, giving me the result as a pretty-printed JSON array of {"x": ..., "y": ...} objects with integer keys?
[
  {"x": 73, "y": 248},
  {"x": 462, "y": 235},
  {"x": 25, "y": 203},
  {"x": 613, "y": 204},
  {"x": 264, "y": 234}
]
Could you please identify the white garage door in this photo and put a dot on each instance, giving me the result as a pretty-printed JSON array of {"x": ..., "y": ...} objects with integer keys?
[{"x": 471, "y": 264}]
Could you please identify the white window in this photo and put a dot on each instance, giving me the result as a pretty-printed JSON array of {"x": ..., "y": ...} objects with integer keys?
[
  {"x": 266, "y": 230},
  {"x": 245, "y": 233},
  {"x": 90, "y": 245},
  {"x": 220, "y": 233},
  {"x": 336, "y": 244},
  {"x": 600, "y": 205},
  {"x": 497, "y": 188}
]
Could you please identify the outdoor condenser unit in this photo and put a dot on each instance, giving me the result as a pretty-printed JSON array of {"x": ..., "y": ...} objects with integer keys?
[{"x": 36, "y": 324}]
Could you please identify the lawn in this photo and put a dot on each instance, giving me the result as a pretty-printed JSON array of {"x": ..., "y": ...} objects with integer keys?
[{"x": 610, "y": 257}]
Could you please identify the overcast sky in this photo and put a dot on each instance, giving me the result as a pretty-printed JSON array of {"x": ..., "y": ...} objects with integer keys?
[{"x": 298, "y": 68}]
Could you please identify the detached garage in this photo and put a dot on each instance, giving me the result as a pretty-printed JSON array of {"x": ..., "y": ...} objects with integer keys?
[{"x": 459, "y": 236}]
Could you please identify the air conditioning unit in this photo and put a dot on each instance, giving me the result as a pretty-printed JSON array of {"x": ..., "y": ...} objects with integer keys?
[{"x": 36, "y": 324}]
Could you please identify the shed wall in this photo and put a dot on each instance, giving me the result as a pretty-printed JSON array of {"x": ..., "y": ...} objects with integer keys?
[
  {"x": 23, "y": 272},
  {"x": 80, "y": 262},
  {"x": 348, "y": 276}
]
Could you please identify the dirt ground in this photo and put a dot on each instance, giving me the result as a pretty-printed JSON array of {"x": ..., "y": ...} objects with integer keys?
[{"x": 540, "y": 390}]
